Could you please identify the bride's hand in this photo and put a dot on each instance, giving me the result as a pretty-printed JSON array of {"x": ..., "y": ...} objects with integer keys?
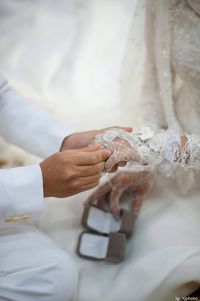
[
  {"x": 138, "y": 183},
  {"x": 83, "y": 139},
  {"x": 122, "y": 151}
]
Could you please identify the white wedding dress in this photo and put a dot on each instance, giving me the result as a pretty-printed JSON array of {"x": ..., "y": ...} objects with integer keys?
[{"x": 163, "y": 256}]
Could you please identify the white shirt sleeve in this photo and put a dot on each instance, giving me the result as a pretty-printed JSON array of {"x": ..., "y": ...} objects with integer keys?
[
  {"x": 21, "y": 191},
  {"x": 27, "y": 126}
]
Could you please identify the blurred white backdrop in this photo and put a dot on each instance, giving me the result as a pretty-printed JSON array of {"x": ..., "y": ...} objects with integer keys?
[
  {"x": 77, "y": 59},
  {"x": 82, "y": 60}
]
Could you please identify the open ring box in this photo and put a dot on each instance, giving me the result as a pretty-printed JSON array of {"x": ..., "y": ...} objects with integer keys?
[{"x": 105, "y": 237}]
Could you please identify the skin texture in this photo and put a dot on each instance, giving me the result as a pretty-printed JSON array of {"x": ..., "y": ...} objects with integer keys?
[
  {"x": 73, "y": 171},
  {"x": 77, "y": 167},
  {"x": 83, "y": 139},
  {"x": 138, "y": 183}
]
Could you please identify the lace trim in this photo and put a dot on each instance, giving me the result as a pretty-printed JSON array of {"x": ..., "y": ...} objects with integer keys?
[
  {"x": 146, "y": 147},
  {"x": 190, "y": 155}
]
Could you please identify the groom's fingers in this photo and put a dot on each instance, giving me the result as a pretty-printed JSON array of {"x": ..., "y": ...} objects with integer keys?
[
  {"x": 89, "y": 148},
  {"x": 89, "y": 180},
  {"x": 127, "y": 129},
  {"x": 84, "y": 158},
  {"x": 91, "y": 170}
]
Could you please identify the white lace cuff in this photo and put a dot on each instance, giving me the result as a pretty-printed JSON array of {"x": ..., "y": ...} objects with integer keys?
[{"x": 146, "y": 147}]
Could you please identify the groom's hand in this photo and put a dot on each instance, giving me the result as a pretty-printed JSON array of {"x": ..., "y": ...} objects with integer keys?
[
  {"x": 83, "y": 139},
  {"x": 72, "y": 171}
]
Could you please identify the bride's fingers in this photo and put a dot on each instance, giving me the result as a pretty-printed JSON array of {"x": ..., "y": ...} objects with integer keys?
[
  {"x": 103, "y": 201},
  {"x": 137, "y": 203},
  {"x": 113, "y": 169},
  {"x": 114, "y": 199},
  {"x": 99, "y": 193},
  {"x": 122, "y": 164},
  {"x": 141, "y": 193},
  {"x": 121, "y": 156},
  {"x": 113, "y": 160}
]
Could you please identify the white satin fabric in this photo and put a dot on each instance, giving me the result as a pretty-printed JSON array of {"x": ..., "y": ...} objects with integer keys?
[{"x": 98, "y": 86}]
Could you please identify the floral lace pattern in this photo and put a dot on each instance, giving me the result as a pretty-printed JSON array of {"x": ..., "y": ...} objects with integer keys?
[
  {"x": 190, "y": 154},
  {"x": 146, "y": 147}
]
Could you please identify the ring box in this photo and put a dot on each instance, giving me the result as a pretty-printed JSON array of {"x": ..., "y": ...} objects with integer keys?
[
  {"x": 105, "y": 236},
  {"x": 102, "y": 221},
  {"x": 95, "y": 246}
]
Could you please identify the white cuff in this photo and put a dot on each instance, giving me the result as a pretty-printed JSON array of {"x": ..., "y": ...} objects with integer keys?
[{"x": 21, "y": 191}]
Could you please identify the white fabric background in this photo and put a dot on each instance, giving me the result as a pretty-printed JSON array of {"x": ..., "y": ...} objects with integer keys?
[
  {"x": 71, "y": 57},
  {"x": 83, "y": 62}
]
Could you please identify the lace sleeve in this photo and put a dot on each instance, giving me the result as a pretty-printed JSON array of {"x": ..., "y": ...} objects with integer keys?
[
  {"x": 190, "y": 154},
  {"x": 146, "y": 147}
]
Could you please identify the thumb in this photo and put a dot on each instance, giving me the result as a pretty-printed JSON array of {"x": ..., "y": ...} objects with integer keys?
[{"x": 105, "y": 153}]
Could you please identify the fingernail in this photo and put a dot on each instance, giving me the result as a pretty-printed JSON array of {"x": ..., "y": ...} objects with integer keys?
[{"x": 97, "y": 145}]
